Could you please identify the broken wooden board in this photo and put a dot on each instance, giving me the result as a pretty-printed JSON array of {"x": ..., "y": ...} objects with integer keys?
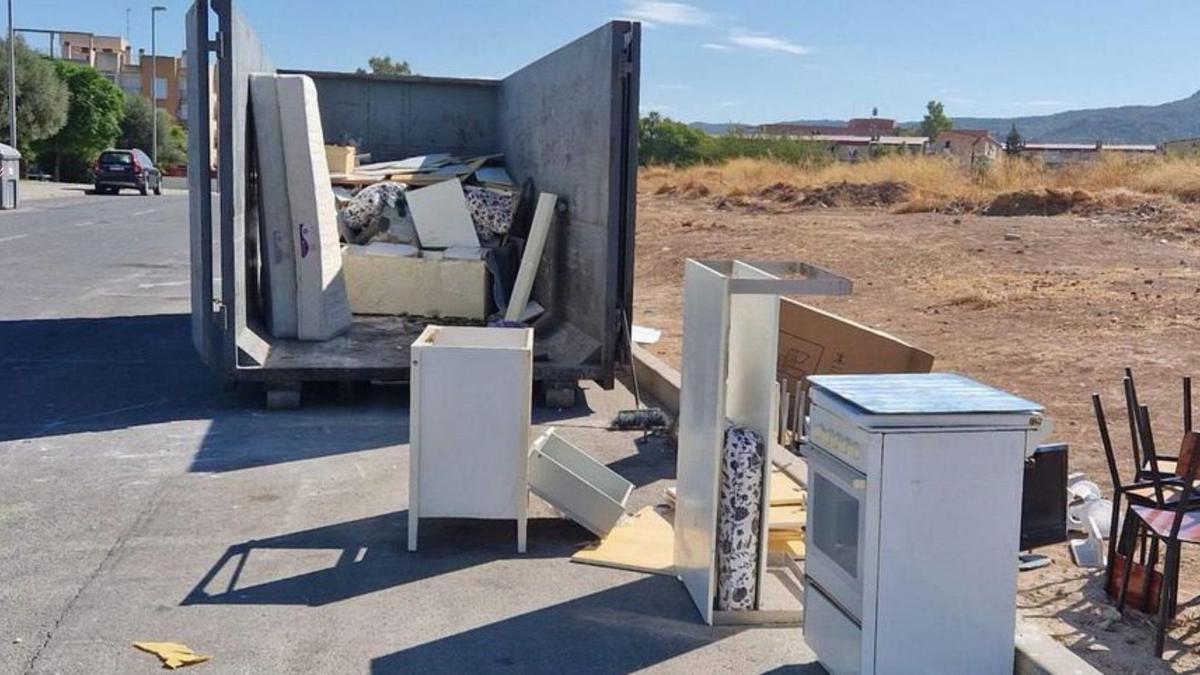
[
  {"x": 785, "y": 491},
  {"x": 786, "y": 517},
  {"x": 644, "y": 542}
]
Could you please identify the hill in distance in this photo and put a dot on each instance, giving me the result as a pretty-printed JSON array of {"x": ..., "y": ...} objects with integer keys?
[{"x": 1123, "y": 124}]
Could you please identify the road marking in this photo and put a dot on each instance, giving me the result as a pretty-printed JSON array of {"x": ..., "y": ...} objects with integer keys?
[
  {"x": 13, "y": 237},
  {"x": 142, "y": 213},
  {"x": 163, "y": 283}
]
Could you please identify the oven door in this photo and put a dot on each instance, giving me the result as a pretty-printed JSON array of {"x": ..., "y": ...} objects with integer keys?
[{"x": 837, "y": 496}]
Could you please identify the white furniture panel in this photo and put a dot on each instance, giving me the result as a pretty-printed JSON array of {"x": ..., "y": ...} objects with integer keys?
[
  {"x": 701, "y": 431},
  {"x": 730, "y": 333},
  {"x": 471, "y": 397}
]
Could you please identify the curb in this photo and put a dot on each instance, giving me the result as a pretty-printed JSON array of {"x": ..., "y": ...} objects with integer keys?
[{"x": 1037, "y": 653}]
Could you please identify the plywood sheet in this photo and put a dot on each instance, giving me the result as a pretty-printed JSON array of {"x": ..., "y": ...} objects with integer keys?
[
  {"x": 787, "y": 542},
  {"x": 785, "y": 491},
  {"x": 644, "y": 542},
  {"x": 322, "y": 309},
  {"x": 441, "y": 217},
  {"x": 786, "y": 517}
]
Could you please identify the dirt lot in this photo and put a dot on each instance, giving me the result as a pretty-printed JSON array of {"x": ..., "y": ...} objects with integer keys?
[{"x": 1051, "y": 308}]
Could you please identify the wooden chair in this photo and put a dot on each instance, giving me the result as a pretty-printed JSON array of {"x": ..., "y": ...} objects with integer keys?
[{"x": 1172, "y": 527}]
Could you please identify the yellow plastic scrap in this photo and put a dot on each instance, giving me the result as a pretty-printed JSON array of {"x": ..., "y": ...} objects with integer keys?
[{"x": 172, "y": 654}]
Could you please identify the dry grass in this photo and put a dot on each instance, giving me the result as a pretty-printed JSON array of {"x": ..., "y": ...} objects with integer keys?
[{"x": 944, "y": 184}]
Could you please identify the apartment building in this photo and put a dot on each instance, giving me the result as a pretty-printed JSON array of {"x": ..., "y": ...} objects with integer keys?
[{"x": 163, "y": 79}]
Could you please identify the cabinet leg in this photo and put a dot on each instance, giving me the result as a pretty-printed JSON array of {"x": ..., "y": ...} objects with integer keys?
[
  {"x": 412, "y": 530},
  {"x": 521, "y": 522}
]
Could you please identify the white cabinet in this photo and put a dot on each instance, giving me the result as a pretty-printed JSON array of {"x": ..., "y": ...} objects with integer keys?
[{"x": 471, "y": 393}]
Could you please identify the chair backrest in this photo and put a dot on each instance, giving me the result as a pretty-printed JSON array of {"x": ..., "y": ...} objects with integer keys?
[
  {"x": 1147, "y": 435},
  {"x": 1131, "y": 408},
  {"x": 1189, "y": 475},
  {"x": 1113, "y": 472},
  {"x": 1187, "y": 405}
]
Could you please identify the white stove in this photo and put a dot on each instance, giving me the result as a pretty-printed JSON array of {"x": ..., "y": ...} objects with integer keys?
[{"x": 913, "y": 522}]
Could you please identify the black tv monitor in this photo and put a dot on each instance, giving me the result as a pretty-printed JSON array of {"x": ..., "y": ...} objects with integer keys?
[{"x": 1044, "y": 497}]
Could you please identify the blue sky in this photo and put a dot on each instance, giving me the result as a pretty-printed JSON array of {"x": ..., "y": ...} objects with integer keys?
[{"x": 751, "y": 61}]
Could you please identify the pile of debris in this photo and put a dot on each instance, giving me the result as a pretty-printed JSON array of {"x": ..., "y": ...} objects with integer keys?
[{"x": 434, "y": 235}]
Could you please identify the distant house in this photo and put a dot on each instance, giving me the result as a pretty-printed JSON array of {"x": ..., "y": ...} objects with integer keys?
[
  {"x": 851, "y": 148},
  {"x": 1182, "y": 146},
  {"x": 1058, "y": 154},
  {"x": 968, "y": 145},
  {"x": 865, "y": 126},
  {"x": 858, "y": 139}
]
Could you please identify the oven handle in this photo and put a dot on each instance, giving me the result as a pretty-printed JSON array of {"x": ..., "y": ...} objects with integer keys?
[{"x": 845, "y": 476}]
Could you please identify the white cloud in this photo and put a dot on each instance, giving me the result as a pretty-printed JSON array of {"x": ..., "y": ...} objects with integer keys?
[
  {"x": 743, "y": 38},
  {"x": 729, "y": 104},
  {"x": 672, "y": 13},
  {"x": 717, "y": 47}
]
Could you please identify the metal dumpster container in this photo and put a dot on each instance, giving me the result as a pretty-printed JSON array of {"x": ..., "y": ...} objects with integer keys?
[
  {"x": 568, "y": 121},
  {"x": 10, "y": 174}
]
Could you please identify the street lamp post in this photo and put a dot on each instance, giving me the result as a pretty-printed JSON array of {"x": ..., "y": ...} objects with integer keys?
[
  {"x": 12, "y": 81},
  {"x": 153, "y": 83}
]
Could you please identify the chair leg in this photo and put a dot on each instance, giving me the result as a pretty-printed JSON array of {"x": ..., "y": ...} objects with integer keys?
[
  {"x": 1113, "y": 526},
  {"x": 1130, "y": 520},
  {"x": 1166, "y": 599},
  {"x": 1149, "y": 571}
]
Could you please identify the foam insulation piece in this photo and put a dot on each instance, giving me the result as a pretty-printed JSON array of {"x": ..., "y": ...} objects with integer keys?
[
  {"x": 387, "y": 279},
  {"x": 441, "y": 217},
  {"x": 278, "y": 245},
  {"x": 322, "y": 309}
]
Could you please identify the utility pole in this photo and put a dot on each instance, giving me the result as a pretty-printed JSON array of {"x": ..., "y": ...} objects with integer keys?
[
  {"x": 127, "y": 12},
  {"x": 12, "y": 81},
  {"x": 154, "y": 83}
]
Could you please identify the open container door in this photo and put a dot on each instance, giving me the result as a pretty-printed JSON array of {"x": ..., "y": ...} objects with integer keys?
[
  {"x": 569, "y": 121},
  {"x": 199, "y": 186}
]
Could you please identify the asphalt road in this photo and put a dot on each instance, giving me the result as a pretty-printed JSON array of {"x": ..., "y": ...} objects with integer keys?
[{"x": 142, "y": 500}]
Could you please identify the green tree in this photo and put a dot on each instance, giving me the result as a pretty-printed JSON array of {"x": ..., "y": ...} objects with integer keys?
[
  {"x": 384, "y": 65},
  {"x": 42, "y": 97},
  {"x": 137, "y": 132},
  {"x": 93, "y": 117},
  {"x": 935, "y": 121},
  {"x": 662, "y": 140},
  {"x": 1014, "y": 141}
]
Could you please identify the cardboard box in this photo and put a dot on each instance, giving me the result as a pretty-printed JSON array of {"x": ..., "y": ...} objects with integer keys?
[
  {"x": 813, "y": 342},
  {"x": 340, "y": 158}
]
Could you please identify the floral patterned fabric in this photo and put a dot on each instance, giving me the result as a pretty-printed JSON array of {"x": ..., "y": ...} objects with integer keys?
[
  {"x": 491, "y": 210},
  {"x": 739, "y": 515},
  {"x": 378, "y": 212}
]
